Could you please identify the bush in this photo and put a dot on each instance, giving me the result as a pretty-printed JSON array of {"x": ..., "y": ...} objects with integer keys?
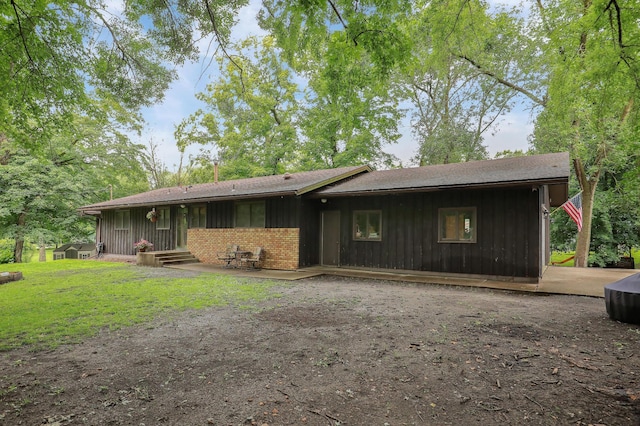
[{"x": 6, "y": 251}]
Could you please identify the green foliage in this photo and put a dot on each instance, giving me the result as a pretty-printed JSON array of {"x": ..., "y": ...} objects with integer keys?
[
  {"x": 250, "y": 113},
  {"x": 66, "y": 301},
  {"x": 453, "y": 104},
  {"x": 6, "y": 250}
]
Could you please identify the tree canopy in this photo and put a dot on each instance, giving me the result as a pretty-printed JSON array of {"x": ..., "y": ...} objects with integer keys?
[{"x": 327, "y": 87}]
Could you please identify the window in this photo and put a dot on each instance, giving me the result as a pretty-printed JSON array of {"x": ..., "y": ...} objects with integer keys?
[
  {"x": 367, "y": 225},
  {"x": 164, "y": 218},
  {"x": 122, "y": 220},
  {"x": 457, "y": 225},
  {"x": 198, "y": 217},
  {"x": 250, "y": 215}
]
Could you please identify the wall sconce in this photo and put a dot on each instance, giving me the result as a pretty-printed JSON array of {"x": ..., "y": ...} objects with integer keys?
[
  {"x": 323, "y": 200},
  {"x": 182, "y": 206}
]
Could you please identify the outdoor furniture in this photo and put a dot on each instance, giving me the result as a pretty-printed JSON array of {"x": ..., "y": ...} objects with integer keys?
[
  {"x": 254, "y": 261},
  {"x": 229, "y": 255},
  {"x": 622, "y": 299},
  {"x": 240, "y": 254}
]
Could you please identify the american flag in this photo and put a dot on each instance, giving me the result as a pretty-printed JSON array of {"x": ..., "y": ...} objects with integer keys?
[{"x": 573, "y": 207}]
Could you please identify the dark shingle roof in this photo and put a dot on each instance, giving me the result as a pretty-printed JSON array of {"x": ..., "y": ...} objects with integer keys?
[
  {"x": 545, "y": 168},
  {"x": 75, "y": 246},
  {"x": 266, "y": 186}
]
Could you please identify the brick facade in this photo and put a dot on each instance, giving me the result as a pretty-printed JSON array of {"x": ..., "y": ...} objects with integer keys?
[{"x": 281, "y": 245}]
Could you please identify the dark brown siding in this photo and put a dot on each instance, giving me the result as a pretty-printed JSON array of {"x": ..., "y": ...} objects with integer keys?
[
  {"x": 121, "y": 241},
  {"x": 309, "y": 219},
  {"x": 507, "y": 235},
  {"x": 280, "y": 213},
  {"x": 220, "y": 215}
]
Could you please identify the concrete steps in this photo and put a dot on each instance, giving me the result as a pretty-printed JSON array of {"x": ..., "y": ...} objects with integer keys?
[{"x": 165, "y": 258}]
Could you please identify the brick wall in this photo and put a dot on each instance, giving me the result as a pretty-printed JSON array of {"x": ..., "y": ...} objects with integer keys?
[{"x": 280, "y": 244}]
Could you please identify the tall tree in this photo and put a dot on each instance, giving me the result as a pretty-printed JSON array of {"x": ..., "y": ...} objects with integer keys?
[
  {"x": 349, "y": 115},
  {"x": 576, "y": 63},
  {"x": 250, "y": 113},
  {"x": 41, "y": 187},
  {"x": 594, "y": 80},
  {"x": 453, "y": 104}
]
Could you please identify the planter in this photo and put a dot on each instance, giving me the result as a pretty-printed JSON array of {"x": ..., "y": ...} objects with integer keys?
[{"x": 154, "y": 219}]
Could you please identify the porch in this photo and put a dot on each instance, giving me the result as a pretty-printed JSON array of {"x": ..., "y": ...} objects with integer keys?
[{"x": 556, "y": 280}]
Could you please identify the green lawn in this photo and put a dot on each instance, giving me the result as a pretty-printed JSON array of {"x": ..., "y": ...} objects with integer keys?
[
  {"x": 557, "y": 256},
  {"x": 67, "y": 300}
]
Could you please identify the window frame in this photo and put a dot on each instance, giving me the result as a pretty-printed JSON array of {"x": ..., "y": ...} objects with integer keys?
[
  {"x": 252, "y": 220},
  {"x": 164, "y": 218},
  {"x": 119, "y": 220},
  {"x": 366, "y": 236},
  {"x": 201, "y": 216},
  {"x": 458, "y": 212}
]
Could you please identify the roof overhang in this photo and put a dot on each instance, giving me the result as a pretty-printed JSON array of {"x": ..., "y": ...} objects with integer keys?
[{"x": 558, "y": 184}]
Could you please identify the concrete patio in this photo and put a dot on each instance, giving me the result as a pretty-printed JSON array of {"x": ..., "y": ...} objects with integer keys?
[{"x": 556, "y": 279}]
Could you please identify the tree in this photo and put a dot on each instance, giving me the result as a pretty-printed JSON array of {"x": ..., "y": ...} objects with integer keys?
[
  {"x": 454, "y": 104},
  {"x": 349, "y": 115},
  {"x": 250, "y": 114},
  {"x": 577, "y": 64},
  {"x": 41, "y": 187},
  {"x": 38, "y": 200},
  {"x": 594, "y": 79}
]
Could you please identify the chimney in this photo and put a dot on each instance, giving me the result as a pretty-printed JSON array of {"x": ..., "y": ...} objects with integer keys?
[{"x": 215, "y": 171}]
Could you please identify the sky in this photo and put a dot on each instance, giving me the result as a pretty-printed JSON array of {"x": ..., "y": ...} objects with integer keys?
[{"x": 180, "y": 102}]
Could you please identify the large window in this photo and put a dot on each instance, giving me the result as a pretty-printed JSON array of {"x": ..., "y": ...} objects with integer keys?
[
  {"x": 250, "y": 215},
  {"x": 457, "y": 225},
  {"x": 197, "y": 217},
  {"x": 367, "y": 225},
  {"x": 122, "y": 220},
  {"x": 164, "y": 218}
]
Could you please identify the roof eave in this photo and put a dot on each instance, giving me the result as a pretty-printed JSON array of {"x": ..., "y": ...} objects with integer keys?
[
  {"x": 199, "y": 200},
  {"x": 537, "y": 182},
  {"x": 334, "y": 179}
]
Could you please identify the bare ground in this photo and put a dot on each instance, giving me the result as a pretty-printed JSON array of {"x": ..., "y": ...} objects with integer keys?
[{"x": 336, "y": 351}]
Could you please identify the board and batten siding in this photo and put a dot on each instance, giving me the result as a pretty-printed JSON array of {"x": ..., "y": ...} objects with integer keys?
[
  {"x": 280, "y": 212},
  {"x": 120, "y": 241},
  {"x": 508, "y": 233}
]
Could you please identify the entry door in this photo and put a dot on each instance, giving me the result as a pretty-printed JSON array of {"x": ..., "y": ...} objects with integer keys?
[
  {"x": 330, "y": 239},
  {"x": 181, "y": 228}
]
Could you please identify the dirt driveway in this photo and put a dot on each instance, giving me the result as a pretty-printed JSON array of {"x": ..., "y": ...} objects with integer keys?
[{"x": 336, "y": 351}]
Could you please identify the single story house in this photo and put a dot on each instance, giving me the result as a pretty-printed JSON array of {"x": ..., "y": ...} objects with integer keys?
[
  {"x": 483, "y": 218},
  {"x": 74, "y": 251}
]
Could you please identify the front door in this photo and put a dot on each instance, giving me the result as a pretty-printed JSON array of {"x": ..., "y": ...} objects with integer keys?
[
  {"x": 181, "y": 228},
  {"x": 330, "y": 238}
]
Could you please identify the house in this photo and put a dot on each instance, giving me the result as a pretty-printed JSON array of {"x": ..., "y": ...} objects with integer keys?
[
  {"x": 74, "y": 251},
  {"x": 484, "y": 218}
]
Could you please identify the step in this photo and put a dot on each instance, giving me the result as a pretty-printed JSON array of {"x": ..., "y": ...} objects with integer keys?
[
  {"x": 162, "y": 258},
  {"x": 179, "y": 261}
]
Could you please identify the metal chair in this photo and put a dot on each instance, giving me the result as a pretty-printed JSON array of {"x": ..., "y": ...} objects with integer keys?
[
  {"x": 255, "y": 260},
  {"x": 228, "y": 256}
]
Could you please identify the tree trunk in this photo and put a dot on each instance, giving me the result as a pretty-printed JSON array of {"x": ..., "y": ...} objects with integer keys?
[
  {"x": 42, "y": 255},
  {"x": 588, "y": 186},
  {"x": 17, "y": 249}
]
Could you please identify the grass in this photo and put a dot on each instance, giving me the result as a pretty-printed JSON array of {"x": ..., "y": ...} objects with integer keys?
[
  {"x": 67, "y": 301},
  {"x": 558, "y": 256}
]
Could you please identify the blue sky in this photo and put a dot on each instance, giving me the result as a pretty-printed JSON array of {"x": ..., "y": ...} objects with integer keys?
[{"x": 180, "y": 102}]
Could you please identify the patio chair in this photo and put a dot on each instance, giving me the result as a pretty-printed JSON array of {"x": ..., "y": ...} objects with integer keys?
[
  {"x": 228, "y": 256},
  {"x": 255, "y": 260}
]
